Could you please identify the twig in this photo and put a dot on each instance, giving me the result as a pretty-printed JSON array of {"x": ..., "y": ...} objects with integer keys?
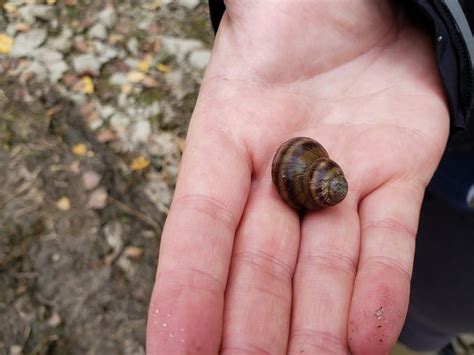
[{"x": 136, "y": 213}]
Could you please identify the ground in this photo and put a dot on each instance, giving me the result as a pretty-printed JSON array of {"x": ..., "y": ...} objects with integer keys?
[{"x": 95, "y": 98}]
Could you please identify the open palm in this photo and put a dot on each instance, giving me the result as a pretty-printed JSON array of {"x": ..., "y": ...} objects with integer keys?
[{"x": 240, "y": 271}]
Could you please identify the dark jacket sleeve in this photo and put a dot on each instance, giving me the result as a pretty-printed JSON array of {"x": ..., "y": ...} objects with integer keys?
[{"x": 452, "y": 24}]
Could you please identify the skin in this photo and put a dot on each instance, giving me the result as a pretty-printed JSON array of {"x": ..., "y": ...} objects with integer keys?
[{"x": 239, "y": 271}]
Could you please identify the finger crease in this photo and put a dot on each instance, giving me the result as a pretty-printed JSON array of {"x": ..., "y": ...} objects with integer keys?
[
  {"x": 330, "y": 259},
  {"x": 266, "y": 262},
  {"x": 244, "y": 349},
  {"x": 389, "y": 263},
  {"x": 192, "y": 278},
  {"x": 210, "y": 206},
  {"x": 320, "y": 342},
  {"x": 390, "y": 224}
]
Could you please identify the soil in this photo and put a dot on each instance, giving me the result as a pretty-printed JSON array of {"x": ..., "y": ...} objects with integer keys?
[{"x": 76, "y": 275}]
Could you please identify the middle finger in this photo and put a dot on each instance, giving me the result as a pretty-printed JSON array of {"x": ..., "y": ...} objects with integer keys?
[
  {"x": 258, "y": 297},
  {"x": 324, "y": 279}
]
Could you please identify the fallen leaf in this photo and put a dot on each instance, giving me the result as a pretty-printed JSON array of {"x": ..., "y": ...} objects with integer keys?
[
  {"x": 181, "y": 142},
  {"x": 79, "y": 149},
  {"x": 106, "y": 135},
  {"x": 89, "y": 112},
  {"x": 145, "y": 63},
  {"x": 133, "y": 252},
  {"x": 22, "y": 27},
  {"x": 98, "y": 198},
  {"x": 16, "y": 350},
  {"x": 51, "y": 2},
  {"x": 157, "y": 46},
  {"x": 54, "y": 110},
  {"x": 154, "y": 5},
  {"x": 10, "y": 7},
  {"x": 135, "y": 76},
  {"x": 6, "y": 43},
  {"x": 63, "y": 204},
  {"x": 70, "y": 2},
  {"x": 87, "y": 85},
  {"x": 90, "y": 180},
  {"x": 127, "y": 89},
  {"x": 115, "y": 38},
  {"x": 149, "y": 82},
  {"x": 139, "y": 163},
  {"x": 163, "y": 68},
  {"x": 54, "y": 320}
]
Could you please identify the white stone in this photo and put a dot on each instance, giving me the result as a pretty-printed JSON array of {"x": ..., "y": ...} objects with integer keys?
[
  {"x": 98, "y": 31},
  {"x": 25, "y": 43},
  {"x": 86, "y": 63},
  {"x": 132, "y": 45},
  {"x": 140, "y": 132},
  {"x": 108, "y": 17},
  {"x": 53, "y": 62},
  {"x": 119, "y": 122},
  {"x": 200, "y": 58},
  {"x": 106, "y": 111},
  {"x": 118, "y": 79},
  {"x": 180, "y": 47},
  {"x": 189, "y": 4},
  {"x": 38, "y": 70},
  {"x": 105, "y": 53},
  {"x": 30, "y": 13},
  {"x": 158, "y": 191},
  {"x": 62, "y": 42}
]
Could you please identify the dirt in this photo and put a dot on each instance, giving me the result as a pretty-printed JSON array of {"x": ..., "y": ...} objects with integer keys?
[{"x": 76, "y": 279}]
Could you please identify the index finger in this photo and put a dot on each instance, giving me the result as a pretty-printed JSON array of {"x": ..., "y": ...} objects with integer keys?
[{"x": 186, "y": 309}]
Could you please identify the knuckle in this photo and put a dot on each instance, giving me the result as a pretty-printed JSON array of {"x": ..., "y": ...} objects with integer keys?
[
  {"x": 324, "y": 259},
  {"x": 391, "y": 224}
]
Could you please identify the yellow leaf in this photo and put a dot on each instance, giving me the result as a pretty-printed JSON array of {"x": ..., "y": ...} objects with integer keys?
[
  {"x": 51, "y": 2},
  {"x": 79, "y": 149},
  {"x": 139, "y": 163},
  {"x": 145, "y": 63},
  {"x": 154, "y": 5},
  {"x": 133, "y": 252},
  {"x": 163, "y": 68},
  {"x": 63, "y": 204},
  {"x": 135, "y": 76},
  {"x": 87, "y": 85},
  {"x": 127, "y": 88},
  {"x": 6, "y": 43},
  {"x": 10, "y": 8},
  {"x": 181, "y": 143}
]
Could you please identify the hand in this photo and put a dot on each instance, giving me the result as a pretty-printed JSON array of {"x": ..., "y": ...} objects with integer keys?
[{"x": 239, "y": 272}]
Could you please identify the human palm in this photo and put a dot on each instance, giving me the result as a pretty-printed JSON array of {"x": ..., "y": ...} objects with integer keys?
[{"x": 240, "y": 271}]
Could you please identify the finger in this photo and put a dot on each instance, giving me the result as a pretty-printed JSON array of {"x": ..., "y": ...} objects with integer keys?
[
  {"x": 258, "y": 298},
  {"x": 324, "y": 279},
  {"x": 186, "y": 309},
  {"x": 389, "y": 219}
]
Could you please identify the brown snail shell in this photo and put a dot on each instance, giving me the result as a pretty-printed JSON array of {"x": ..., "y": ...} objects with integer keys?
[{"x": 305, "y": 177}]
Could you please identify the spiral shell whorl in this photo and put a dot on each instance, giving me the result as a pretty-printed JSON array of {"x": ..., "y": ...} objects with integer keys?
[{"x": 305, "y": 177}]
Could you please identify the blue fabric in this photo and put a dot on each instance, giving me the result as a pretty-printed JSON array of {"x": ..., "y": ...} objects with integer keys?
[{"x": 454, "y": 180}]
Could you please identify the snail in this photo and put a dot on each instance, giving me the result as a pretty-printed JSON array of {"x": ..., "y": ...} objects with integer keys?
[{"x": 305, "y": 177}]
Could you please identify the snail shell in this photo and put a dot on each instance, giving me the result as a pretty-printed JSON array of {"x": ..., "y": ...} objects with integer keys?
[{"x": 305, "y": 177}]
